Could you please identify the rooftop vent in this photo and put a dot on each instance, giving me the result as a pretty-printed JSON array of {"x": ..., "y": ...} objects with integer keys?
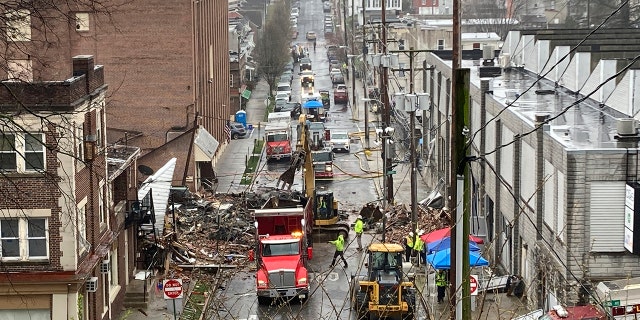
[{"x": 627, "y": 127}]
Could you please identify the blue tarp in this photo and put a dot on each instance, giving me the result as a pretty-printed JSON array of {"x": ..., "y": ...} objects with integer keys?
[
  {"x": 313, "y": 104},
  {"x": 442, "y": 259},
  {"x": 445, "y": 243}
]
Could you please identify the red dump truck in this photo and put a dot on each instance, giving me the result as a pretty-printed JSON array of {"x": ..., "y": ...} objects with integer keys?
[{"x": 283, "y": 248}]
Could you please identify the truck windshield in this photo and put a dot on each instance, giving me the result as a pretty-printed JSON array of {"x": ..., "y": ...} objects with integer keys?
[
  {"x": 339, "y": 136},
  {"x": 382, "y": 260},
  {"x": 277, "y": 137},
  {"x": 280, "y": 249},
  {"x": 322, "y": 156}
]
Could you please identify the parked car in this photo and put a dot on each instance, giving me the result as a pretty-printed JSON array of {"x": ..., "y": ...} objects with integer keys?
[
  {"x": 340, "y": 94},
  {"x": 337, "y": 79},
  {"x": 311, "y": 35},
  {"x": 289, "y": 66},
  {"x": 295, "y": 12},
  {"x": 238, "y": 130},
  {"x": 294, "y": 21},
  {"x": 334, "y": 64},
  {"x": 283, "y": 96},
  {"x": 293, "y": 107},
  {"x": 287, "y": 74},
  {"x": 334, "y": 72},
  {"x": 328, "y": 27},
  {"x": 284, "y": 87}
]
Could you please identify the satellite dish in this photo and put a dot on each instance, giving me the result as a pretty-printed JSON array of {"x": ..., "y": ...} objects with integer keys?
[{"x": 145, "y": 170}]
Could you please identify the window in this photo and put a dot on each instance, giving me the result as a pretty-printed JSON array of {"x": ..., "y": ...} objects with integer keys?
[
  {"x": 22, "y": 152},
  {"x": 8, "y": 152},
  {"x": 18, "y": 25},
  {"x": 24, "y": 238},
  {"x": 80, "y": 142},
  {"x": 440, "y": 44},
  {"x": 476, "y": 45},
  {"x": 19, "y": 70},
  {"x": 424, "y": 2},
  {"x": 231, "y": 80},
  {"x": 81, "y": 222},
  {"x": 82, "y": 21},
  {"x": 101, "y": 210}
]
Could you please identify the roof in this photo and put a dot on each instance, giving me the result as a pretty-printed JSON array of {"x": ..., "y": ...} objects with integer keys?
[
  {"x": 385, "y": 247},
  {"x": 160, "y": 185},
  {"x": 206, "y": 142},
  {"x": 479, "y": 35},
  {"x": 119, "y": 157}
]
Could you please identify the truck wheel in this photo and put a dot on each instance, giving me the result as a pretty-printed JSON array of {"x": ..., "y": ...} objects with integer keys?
[
  {"x": 264, "y": 300},
  {"x": 361, "y": 305},
  {"x": 410, "y": 298}
]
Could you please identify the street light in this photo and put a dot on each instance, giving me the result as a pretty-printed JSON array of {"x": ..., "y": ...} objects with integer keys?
[{"x": 386, "y": 135}]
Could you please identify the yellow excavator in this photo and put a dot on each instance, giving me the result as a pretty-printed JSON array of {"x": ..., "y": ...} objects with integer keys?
[{"x": 327, "y": 224}]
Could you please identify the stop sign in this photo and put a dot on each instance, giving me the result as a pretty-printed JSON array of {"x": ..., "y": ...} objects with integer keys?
[
  {"x": 172, "y": 288},
  {"x": 473, "y": 285}
]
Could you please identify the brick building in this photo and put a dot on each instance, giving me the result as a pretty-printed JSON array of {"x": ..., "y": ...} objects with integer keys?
[
  {"x": 166, "y": 62},
  {"x": 64, "y": 251}
]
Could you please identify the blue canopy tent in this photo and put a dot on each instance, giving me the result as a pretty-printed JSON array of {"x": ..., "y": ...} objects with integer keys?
[
  {"x": 442, "y": 259},
  {"x": 445, "y": 243},
  {"x": 312, "y": 104}
]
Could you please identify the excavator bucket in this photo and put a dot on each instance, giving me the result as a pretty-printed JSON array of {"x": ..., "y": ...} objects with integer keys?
[{"x": 371, "y": 214}]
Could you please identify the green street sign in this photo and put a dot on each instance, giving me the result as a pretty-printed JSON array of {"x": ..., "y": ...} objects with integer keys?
[
  {"x": 612, "y": 303},
  {"x": 246, "y": 94},
  {"x": 391, "y": 172}
]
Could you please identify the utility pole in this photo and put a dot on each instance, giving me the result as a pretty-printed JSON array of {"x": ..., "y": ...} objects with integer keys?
[
  {"x": 459, "y": 240},
  {"x": 386, "y": 108},
  {"x": 353, "y": 52},
  {"x": 412, "y": 158},
  {"x": 344, "y": 29},
  {"x": 365, "y": 74}
]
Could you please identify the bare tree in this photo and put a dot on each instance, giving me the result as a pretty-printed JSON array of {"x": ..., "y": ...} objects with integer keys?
[
  {"x": 491, "y": 15},
  {"x": 272, "y": 47}
]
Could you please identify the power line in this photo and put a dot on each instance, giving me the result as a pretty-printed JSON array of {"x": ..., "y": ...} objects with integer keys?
[{"x": 549, "y": 71}]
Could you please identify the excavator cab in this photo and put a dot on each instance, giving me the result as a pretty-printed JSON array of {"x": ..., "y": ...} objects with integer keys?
[{"x": 325, "y": 209}]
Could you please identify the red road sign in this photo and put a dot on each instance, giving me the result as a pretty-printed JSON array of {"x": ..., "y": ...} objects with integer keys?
[
  {"x": 473, "y": 285},
  {"x": 172, "y": 288}
]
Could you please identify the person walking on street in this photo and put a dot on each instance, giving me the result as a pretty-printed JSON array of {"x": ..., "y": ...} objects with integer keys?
[
  {"x": 358, "y": 228},
  {"x": 441, "y": 283},
  {"x": 339, "y": 243},
  {"x": 314, "y": 45},
  {"x": 408, "y": 246}
]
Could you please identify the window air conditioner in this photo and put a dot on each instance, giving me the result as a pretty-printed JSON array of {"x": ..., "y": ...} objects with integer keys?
[
  {"x": 105, "y": 266},
  {"x": 92, "y": 284}
]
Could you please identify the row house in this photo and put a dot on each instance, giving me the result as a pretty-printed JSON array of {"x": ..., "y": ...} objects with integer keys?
[
  {"x": 557, "y": 141},
  {"x": 241, "y": 68},
  {"x": 65, "y": 252}
]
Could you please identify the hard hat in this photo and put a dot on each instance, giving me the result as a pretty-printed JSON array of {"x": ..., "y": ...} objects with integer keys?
[
  {"x": 359, "y": 217},
  {"x": 410, "y": 233},
  {"x": 421, "y": 232}
]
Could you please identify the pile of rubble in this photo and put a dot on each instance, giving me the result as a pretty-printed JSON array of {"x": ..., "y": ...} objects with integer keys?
[
  {"x": 398, "y": 223},
  {"x": 217, "y": 231}
]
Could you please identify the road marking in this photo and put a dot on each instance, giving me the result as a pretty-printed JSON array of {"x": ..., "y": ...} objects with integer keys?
[
  {"x": 333, "y": 276},
  {"x": 251, "y": 317}
]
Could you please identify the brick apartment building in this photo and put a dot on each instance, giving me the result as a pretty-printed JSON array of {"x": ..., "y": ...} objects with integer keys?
[
  {"x": 165, "y": 62},
  {"x": 64, "y": 249}
]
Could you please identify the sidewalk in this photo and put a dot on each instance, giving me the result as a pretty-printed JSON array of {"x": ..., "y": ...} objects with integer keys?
[{"x": 228, "y": 171}]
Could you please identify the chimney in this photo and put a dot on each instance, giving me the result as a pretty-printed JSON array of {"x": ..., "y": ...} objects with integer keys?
[{"x": 83, "y": 65}]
